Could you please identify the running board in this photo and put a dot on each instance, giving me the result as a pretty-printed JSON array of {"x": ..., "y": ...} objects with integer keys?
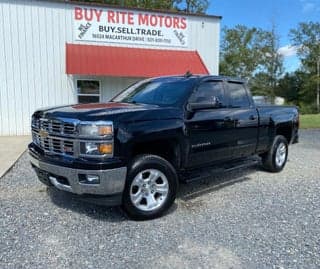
[{"x": 203, "y": 173}]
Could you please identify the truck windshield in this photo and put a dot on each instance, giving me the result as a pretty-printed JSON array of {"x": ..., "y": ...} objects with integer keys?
[{"x": 162, "y": 91}]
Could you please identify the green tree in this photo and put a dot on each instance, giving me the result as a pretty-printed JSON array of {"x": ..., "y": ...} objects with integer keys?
[
  {"x": 290, "y": 86},
  {"x": 193, "y": 6},
  {"x": 265, "y": 81},
  {"x": 252, "y": 53},
  {"x": 242, "y": 51},
  {"x": 152, "y": 4},
  {"x": 189, "y": 6},
  {"x": 307, "y": 38},
  {"x": 239, "y": 51},
  {"x": 295, "y": 88}
]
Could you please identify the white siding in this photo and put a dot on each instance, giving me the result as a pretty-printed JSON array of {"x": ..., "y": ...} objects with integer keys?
[
  {"x": 32, "y": 67},
  {"x": 204, "y": 33},
  {"x": 33, "y": 36},
  {"x": 112, "y": 86}
]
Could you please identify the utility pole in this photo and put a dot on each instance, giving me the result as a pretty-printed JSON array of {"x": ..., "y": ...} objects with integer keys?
[{"x": 318, "y": 84}]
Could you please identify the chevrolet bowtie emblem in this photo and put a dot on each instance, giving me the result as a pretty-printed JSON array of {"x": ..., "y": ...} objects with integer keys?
[{"x": 43, "y": 133}]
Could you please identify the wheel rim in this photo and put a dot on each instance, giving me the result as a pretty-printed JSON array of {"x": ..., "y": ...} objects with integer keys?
[
  {"x": 281, "y": 154},
  {"x": 149, "y": 190}
]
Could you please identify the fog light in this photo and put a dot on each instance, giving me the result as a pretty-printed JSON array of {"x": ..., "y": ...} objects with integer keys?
[
  {"x": 89, "y": 179},
  {"x": 93, "y": 179}
]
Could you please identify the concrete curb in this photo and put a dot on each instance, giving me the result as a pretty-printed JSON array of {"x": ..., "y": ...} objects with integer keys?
[
  {"x": 12, "y": 165},
  {"x": 11, "y": 149}
]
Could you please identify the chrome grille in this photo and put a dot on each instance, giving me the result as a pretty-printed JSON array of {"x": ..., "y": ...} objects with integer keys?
[
  {"x": 55, "y": 145},
  {"x": 54, "y": 126},
  {"x": 54, "y": 136}
]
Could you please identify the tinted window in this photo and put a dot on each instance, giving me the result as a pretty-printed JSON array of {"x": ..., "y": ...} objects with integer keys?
[
  {"x": 163, "y": 92},
  {"x": 238, "y": 95},
  {"x": 206, "y": 91}
]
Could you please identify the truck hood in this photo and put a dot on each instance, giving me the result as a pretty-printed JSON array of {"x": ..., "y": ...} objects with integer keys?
[{"x": 124, "y": 112}]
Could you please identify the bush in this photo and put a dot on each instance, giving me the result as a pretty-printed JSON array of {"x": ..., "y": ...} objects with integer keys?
[{"x": 307, "y": 108}]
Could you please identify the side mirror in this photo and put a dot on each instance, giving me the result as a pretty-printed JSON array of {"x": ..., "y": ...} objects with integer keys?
[{"x": 214, "y": 103}]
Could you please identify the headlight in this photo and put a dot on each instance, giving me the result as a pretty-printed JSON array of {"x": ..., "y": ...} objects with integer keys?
[
  {"x": 96, "y": 148},
  {"x": 96, "y": 129}
]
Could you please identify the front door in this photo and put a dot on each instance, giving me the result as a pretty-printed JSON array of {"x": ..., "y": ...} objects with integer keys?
[{"x": 209, "y": 131}]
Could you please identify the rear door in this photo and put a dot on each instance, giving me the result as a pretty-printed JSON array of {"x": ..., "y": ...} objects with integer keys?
[
  {"x": 246, "y": 120},
  {"x": 209, "y": 131}
]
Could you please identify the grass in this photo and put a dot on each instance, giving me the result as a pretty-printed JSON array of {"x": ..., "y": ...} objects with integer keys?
[{"x": 310, "y": 121}]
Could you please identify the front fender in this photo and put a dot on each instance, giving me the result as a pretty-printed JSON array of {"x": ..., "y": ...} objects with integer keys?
[{"x": 131, "y": 134}]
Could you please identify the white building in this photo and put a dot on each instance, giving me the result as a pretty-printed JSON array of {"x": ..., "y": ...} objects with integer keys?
[{"x": 54, "y": 53}]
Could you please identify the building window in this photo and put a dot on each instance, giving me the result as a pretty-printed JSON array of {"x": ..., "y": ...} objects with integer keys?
[{"x": 88, "y": 91}]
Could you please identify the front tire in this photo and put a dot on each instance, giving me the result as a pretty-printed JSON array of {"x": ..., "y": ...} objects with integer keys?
[
  {"x": 151, "y": 187},
  {"x": 275, "y": 159}
]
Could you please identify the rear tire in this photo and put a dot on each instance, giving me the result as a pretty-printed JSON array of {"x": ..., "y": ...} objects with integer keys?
[
  {"x": 275, "y": 159},
  {"x": 151, "y": 187}
]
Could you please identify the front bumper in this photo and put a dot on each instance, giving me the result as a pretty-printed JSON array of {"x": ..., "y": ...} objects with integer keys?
[{"x": 112, "y": 181}]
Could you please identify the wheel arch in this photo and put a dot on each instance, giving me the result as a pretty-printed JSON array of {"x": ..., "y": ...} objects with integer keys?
[
  {"x": 284, "y": 130},
  {"x": 169, "y": 149}
]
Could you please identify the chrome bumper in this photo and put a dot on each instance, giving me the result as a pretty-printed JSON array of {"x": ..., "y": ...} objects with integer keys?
[{"x": 112, "y": 181}]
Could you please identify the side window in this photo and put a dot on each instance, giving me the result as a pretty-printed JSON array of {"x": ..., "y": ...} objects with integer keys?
[
  {"x": 206, "y": 91},
  {"x": 88, "y": 91},
  {"x": 238, "y": 95}
]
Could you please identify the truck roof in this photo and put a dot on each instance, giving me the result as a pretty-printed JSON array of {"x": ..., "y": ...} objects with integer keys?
[{"x": 202, "y": 77}]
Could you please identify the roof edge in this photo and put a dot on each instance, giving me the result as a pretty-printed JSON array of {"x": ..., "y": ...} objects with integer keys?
[{"x": 81, "y": 3}]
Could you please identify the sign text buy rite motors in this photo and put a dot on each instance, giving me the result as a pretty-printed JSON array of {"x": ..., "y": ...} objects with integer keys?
[{"x": 134, "y": 27}]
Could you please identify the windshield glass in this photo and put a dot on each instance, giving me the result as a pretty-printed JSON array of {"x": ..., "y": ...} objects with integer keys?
[{"x": 162, "y": 91}]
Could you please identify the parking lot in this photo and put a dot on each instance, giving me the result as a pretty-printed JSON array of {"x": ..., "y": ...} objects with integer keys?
[{"x": 241, "y": 219}]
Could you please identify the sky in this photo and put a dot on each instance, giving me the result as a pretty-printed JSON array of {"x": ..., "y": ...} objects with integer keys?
[{"x": 286, "y": 14}]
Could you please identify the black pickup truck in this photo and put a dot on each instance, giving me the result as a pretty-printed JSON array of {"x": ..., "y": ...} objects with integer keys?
[{"x": 136, "y": 148}]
